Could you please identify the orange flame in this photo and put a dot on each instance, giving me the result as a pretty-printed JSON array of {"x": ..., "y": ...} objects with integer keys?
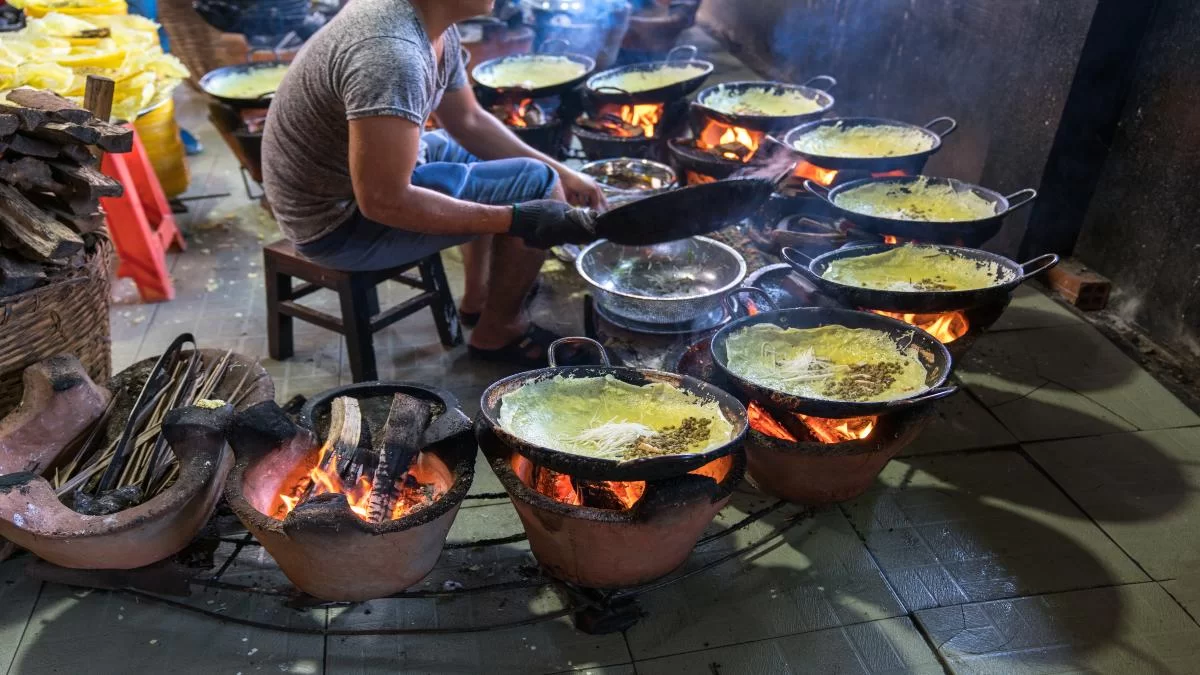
[
  {"x": 644, "y": 115},
  {"x": 824, "y": 430},
  {"x": 694, "y": 178},
  {"x": 945, "y": 327},
  {"x": 516, "y": 114},
  {"x": 558, "y": 486},
  {"x": 358, "y": 496},
  {"x": 891, "y": 239},
  {"x": 734, "y": 143},
  {"x": 807, "y": 170}
]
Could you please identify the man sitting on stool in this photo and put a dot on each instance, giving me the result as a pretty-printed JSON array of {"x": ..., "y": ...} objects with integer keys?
[{"x": 358, "y": 186}]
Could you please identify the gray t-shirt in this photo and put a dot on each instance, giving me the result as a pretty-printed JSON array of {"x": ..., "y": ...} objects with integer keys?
[{"x": 373, "y": 60}]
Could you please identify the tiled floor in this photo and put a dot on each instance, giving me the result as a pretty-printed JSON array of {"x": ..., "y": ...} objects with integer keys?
[{"x": 1045, "y": 522}]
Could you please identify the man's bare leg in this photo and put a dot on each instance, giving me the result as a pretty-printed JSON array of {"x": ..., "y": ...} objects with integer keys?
[
  {"x": 514, "y": 270},
  {"x": 477, "y": 261}
]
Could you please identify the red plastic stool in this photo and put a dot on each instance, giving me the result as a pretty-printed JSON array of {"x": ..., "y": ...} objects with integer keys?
[{"x": 141, "y": 223}]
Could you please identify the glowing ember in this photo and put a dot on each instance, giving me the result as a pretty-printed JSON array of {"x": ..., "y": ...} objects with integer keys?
[
  {"x": 596, "y": 494},
  {"x": 411, "y": 494},
  {"x": 839, "y": 430},
  {"x": 891, "y": 239},
  {"x": 945, "y": 327},
  {"x": 821, "y": 429},
  {"x": 728, "y": 142},
  {"x": 694, "y": 178}
]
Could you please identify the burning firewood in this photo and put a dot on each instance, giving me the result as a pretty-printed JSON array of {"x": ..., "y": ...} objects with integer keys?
[
  {"x": 342, "y": 441},
  {"x": 407, "y": 421}
]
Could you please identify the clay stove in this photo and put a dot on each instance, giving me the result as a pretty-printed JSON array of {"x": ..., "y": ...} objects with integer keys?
[
  {"x": 540, "y": 123},
  {"x": 611, "y": 534},
  {"x": 327, "y": 529}
]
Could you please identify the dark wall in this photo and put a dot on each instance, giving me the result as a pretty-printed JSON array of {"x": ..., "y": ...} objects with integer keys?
[
  {"x": 1002, "y": 68},
  {"x": 1142, "y": 228}
]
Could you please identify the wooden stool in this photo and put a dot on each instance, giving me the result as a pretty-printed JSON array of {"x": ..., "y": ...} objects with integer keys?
[{"x": 359, "y": 297}]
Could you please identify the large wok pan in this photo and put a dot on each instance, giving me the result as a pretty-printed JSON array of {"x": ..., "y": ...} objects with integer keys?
[
  {"x": 685, "y": 212},
  {"x": 968, "y": 232},
  {"x": 491, "y": 93},
  {"x": 932, "y": 353},
  {"x": 595, "y": 468},
  {"x": 1011, "y": 275},
  {"x": 702, "y": 109},
  {"x": 911, "y": 163},
  {"x": 601, "y": 90},
  {"x": 213, "y": 79}
]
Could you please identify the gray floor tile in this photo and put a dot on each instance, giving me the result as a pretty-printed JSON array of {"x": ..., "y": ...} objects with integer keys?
[
  {"x": 887, "y": 646},
  {"x": 819, "y": 575},
  {"x": 1031, "y": 307},
  {"x": 1140, "y": 487},
  {"x": 966, "y": 528},
  {"x": 73, "y": 631},
  {"x": 1186, "y": 591},
  {"x": 17, "y": 597},
  {"x": 960, "y": 423},
  {"x": 546, "y": 647},
  {"x": 1066, "y": 381},
  {"x": 1128, "y": 630}
]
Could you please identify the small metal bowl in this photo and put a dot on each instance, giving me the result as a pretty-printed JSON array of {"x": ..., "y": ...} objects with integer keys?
[
  {"x": 620, "y": 286},
  {"x": 654, "y": 173}
]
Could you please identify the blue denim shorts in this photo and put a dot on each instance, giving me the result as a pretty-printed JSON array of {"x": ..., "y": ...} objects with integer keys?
[{"x": 361, "y": 244}]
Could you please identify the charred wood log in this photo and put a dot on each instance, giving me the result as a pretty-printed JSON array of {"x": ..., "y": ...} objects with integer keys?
[
  {"x": 26, "y": 228},
  {"x": 9, "y": 123},
  {"x": 32, "y": 147},
  {"x": 345, "y": 433},
  {"x": 18, "y": 275},
  {"x": 28, "y": 119},
  {"x": 407, "y": 421},
  {"x": 67, "y": 134},
  {"x": 87, "y": 182},
  {"x": 28, "y": 173},
  {"x": 113, "y": 138},
  {"x": 50, "y": 103}
]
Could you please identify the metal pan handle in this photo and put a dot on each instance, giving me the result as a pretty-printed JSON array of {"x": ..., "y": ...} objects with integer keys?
[
  {"x": 818, "y": 190},
  {"x": 552, "y": 352},
  {"x": 925, "y": 397},
  {"x": 690, "y": 50},
  {"x": 545, "y": 47},
  {"x": 1020, "y": 198},
  {"x": 811, "y": 82},
  {"x": 734, "y": 307},
  {"x": 950, "y": 122},
  {"x": 798, "y": 262},
  {"x": 1038, "y": 265}
]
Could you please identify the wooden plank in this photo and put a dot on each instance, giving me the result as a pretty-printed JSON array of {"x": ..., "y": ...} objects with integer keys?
[
  {"x": 27, "y": 173},
  {"x": 32, "y": 147},
  {"x": 98, "y": 96},
  {"x": 27, "y": 229},
  {"x": 63, "y": 133},
  {"x": 54, "y": 105},
  {"x": 86, "y": 180},
  {"x": 62, "y": 201}
]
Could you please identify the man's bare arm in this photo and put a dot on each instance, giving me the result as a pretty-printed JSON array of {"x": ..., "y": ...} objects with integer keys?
[{"x": 383, "y": 154}]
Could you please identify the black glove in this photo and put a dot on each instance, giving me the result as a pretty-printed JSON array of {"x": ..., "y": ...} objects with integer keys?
[{"x": 545, "y": 223}]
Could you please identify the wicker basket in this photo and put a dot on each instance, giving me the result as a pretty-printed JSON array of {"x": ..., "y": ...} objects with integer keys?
[{"x": 68, "y": 316}]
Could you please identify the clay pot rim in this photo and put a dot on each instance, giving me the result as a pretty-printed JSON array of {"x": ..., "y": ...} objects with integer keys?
[
  {"x": 196, "y": 472},
  {"x": 518, "y": 490},
  {"x": 457, "y": 460}
]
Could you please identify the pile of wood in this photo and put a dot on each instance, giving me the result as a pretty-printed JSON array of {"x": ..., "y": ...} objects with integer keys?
[{"x": 50, "y": 185}]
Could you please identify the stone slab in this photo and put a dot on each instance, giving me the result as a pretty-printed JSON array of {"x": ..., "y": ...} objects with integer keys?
[
  {"x": 960, "y": 423},
  {"x": 887, "y": 646},
  {"x": 1067, "y": 381},
  {"x": 17, "y": 597},
  {"x": 1129, "y": 629},
  {"x": 818, "y": 575},
  {"x": 1140, "y": 487},
  {"x": 952, "y": 529}
]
